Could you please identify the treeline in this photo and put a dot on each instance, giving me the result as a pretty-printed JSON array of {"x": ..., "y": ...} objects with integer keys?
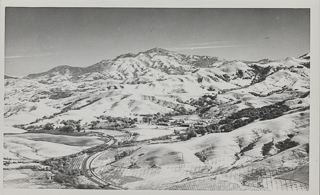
[
  {"x": 204, "y": 100},
  {"x": 202, "y": 104},
  {"x": 180, "y": 110},
  {"x": 68, "y": 126},
  {"x": 248, "y": 115},
  {"x": 102, "y": 122},
  {"x": 112, "y": 123},
  {"x": 263, "y": 113},
  {"x": 123, "y": 154},
  {"x": 280, "y": 146},
  {"x": 235, "y": 120}
]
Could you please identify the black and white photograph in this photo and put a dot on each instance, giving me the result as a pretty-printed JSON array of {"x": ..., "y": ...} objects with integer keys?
[{"x": 159, "y": 98}]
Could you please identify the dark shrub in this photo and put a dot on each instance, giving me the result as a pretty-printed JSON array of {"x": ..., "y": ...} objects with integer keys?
[
  {"x": 286, "y": 144},
  {"x": 266, "y": 148}
]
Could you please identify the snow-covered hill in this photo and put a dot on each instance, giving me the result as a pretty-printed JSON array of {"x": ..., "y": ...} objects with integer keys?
[{"x": 153, "y": 81}]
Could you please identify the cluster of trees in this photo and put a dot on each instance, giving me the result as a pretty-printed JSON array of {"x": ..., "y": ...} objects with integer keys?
[
  {"x": 66, "y": 176},
  {"x": 69, "y": 126},
  {"x": 248, "y": 115},
  {"x": 126, "y": 142},
  {"x": 157, "y": 118},
  {"x": 123, "y": 154},
  {"x": 204, "y": 100},
  {"x": 239, "y": 119},
  {"x": 115, "y": 119},
  {"x": 57, "y": 93},
  {"x": 165, "y": 137},
  {"x": 192, "y": 131},
  {"x": 275, "y": 110},
  {"x": 266, "y": 148},
  {"x": 203, "y": 103},
  {"x": 281, "y": 146},
  {"x": 286, "y": 144},
  {"x": 114, "y": 123},
  {"x": 188, "y": 135},
  {"x": 180, "y": 110},
  {"x": 247, "y": 148},
  {"x": 201, "y": 155},
  {"x": 260, "y": 73},
  {"x": 201, "y": 130}
]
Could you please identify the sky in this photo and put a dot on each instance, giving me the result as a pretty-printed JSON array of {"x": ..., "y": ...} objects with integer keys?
[{"x": 38, "y": 39}]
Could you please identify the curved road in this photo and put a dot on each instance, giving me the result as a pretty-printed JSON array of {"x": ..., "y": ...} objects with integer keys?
[{"x": 89, "y": 173}]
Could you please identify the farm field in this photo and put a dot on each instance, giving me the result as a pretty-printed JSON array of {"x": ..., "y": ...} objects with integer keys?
[
  {"x": 76, "y": 162},
  {"x": 29, "y": 179},
  {"x": 213, "y": 175}
]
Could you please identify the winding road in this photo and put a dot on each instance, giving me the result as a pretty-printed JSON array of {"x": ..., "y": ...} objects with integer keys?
[{"x": 91, "y": 175}]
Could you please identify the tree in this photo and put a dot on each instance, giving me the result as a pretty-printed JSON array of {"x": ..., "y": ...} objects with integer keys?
[
  {"x": 176, "y": 132},
  {"x": 78, "y": 127},
  {"x": 191, "y": 133},
  {"x": 240, "y": 73},
  {"x": 286, "y": 144},
  {"x": 227, "y": 128},
  {"x": 266, "y": 148},
  {"x": 48, "y": 126},
  {"x": 183, "y": 137},
  {"x": 200, "y": 79},
  {"x": 68, "y": 128},
  {"x": 202, "y": 130}
]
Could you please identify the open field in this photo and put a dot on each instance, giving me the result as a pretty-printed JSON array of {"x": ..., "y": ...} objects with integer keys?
[
  {"x": 68, "y": 140},
  {"x": 147, "y": 131},
  {"x": 40, "y": 146}
]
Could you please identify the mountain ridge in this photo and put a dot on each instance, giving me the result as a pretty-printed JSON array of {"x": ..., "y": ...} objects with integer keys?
[{"x": 134, "y": 65}]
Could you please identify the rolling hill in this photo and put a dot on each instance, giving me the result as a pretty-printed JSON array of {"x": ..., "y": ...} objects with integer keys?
[{"x": 153, "y": 81}]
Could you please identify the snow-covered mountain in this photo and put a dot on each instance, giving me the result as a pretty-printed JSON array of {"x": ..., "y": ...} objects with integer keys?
[{"x": 154, "y": 81}]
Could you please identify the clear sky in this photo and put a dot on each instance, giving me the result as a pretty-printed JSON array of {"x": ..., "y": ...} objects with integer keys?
[{"x": 38, "y": 39}]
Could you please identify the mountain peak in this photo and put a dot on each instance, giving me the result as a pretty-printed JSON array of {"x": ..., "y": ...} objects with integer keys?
[
  {"x": 63, "y": 69},
  {"x": 158, "y": 50}
]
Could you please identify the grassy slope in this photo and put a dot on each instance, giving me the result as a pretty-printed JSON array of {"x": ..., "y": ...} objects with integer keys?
[{"x": 223, "y": 144}]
